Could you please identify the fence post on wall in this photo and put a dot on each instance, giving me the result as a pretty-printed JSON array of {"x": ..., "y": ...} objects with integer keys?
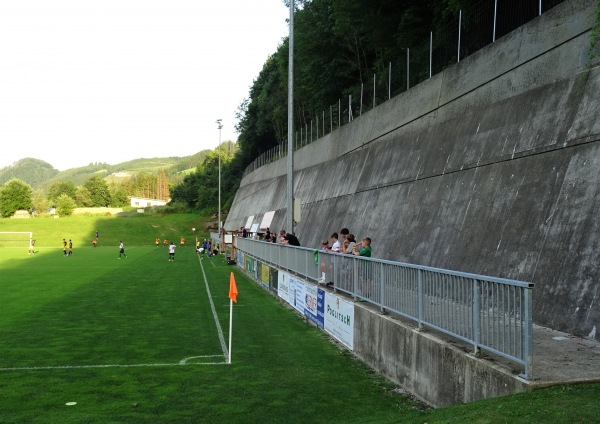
[
  {"x": 330, "y": 118},
  {"x": 323, "y": 123},
  {"x": 374, "y": 75},
  {"x": 459, "y": 29},
  {"x": 430, "y": 53},
  {"x": 339, "y": 113},
  {"x": 476, "y": 322},
  {"x": 407, "y": 68},
  {"x": 317, "y": 126},
  {"x": 362, "y": 88},
  {"x": 495, "y": 17},
  {"x": 350, "y": 117},
  {"x": 390, "y": 81},
  {"x": 540, "y": 11}
]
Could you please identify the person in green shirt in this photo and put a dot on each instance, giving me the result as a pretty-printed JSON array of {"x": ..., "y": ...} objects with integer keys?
[{"x": 363, "y": 248}]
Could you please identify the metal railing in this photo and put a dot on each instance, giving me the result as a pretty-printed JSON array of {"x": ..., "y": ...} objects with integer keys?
[{"x": 493, "y": 314}]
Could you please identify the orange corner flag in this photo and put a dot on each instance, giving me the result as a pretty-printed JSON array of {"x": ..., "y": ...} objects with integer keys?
[{"x": 232, "y": 288}]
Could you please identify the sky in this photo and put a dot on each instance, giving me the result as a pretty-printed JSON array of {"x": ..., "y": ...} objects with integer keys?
[{"x": 85, "y": 81}]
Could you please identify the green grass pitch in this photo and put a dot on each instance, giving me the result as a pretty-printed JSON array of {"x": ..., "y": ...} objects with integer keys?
[{"x": 91, "y": 338}]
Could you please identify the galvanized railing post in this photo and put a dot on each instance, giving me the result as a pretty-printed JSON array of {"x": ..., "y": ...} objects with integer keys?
[
  {"x": 355, "y": 277},
  {"x": 475, "y": 314},
  {"x": 420, "y": 299},
  {"x": 528, "y": 342},
  {"x": 334, "y": 276},
  {"x": 382, "y": 284}
]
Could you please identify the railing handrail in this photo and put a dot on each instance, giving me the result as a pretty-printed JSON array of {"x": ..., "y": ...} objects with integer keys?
[
  {"x": 493, "y": 279},
  {"x": 492, "y": 313}
]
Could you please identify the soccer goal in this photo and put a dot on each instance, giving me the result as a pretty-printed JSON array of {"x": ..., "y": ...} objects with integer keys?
[{"x": 15, "y": 239}]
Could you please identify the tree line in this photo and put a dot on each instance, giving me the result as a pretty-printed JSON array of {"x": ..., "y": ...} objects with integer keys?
[
  {"x": 338, "y": 44},
  {"x": 341, "y": 46},
  {"x": 15, "y": 194}
]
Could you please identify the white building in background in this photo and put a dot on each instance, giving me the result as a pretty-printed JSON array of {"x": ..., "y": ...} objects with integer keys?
[{"x": 140, "y": 202}]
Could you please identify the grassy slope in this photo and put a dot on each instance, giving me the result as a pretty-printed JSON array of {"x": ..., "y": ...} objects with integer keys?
[{"x": 93, "y": 309}]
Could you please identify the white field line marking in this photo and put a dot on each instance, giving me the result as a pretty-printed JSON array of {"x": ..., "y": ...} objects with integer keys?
[
  {"x": 181, "y": 363},
  {"x": 184, "y": 360},
  {"x": 212, "y": 307},
  {"x": 71, "y": 367}
]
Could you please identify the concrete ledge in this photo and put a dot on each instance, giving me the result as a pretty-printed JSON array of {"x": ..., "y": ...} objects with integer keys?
[{"x": 435, "y": 371}]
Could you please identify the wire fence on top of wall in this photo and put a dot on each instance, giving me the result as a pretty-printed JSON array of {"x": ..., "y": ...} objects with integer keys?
[{"x": 472, "y": 30}]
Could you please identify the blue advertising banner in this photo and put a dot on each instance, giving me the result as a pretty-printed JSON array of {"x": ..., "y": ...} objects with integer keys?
[
  {"x": 321, "y": 308},
  {"x": 311, "y": 304}
]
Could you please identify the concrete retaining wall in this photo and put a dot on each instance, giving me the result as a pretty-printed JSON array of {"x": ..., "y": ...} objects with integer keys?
[
  {"x": 436, "y": 372},
  {"x": 491, "y": 167}
]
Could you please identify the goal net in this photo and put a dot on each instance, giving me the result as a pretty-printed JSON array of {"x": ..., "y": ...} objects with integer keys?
[{"x": 15, "y": 239}]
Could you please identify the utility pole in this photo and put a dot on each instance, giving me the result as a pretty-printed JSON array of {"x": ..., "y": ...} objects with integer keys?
[
  {"x": 289, "y": 222},
  {"x": 219, "y": 126}
]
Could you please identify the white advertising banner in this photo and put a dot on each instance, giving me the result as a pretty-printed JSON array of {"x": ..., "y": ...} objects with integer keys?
[
  {"x": 297, "y": 294},
  {"x": 283, "y": 285},
  {"x": 339, "y": 319}
]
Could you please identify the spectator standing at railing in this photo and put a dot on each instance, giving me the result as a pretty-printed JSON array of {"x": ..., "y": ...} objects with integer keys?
[
  {"x": 365, "y": 284},
  {"x": 324, "y": 248},
  {"x": 336, "y": 246},
  {"x": 363, "y": 248},
  {"x": 343, "y": 234},
  {"x": 291, "y": 240},
  {"x": 282, "y": 237},
  {"x": 348, "y": 244}
]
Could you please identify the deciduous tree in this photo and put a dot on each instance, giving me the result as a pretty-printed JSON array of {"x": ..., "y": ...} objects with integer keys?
[
  {"x": 15, "y": 195},
  {"x": 99, "y": 193}
]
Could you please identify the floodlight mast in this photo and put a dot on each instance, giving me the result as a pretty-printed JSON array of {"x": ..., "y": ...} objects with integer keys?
[
  {"x": 289, "y": 221},
  {"x": 219, "y": 126}
]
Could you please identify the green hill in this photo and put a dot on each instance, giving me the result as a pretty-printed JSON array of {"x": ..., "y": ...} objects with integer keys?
[
  {"x": 40, "y": 175},
  {"x": 34, "y": 172}
]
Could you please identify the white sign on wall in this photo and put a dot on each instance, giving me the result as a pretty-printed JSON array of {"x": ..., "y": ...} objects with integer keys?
[
  {"x": 339, "y": 319},
  {"x": 297, "y": 294},
  {"x": 283, "y": 285},
  {"x": 266, "y": 221}
]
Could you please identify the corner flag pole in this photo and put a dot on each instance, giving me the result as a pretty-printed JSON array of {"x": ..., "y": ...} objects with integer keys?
[{"x": 232, "y": 298}]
